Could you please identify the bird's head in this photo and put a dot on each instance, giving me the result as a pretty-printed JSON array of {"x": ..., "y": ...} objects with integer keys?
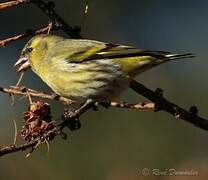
[{"x": 35, "y": 50}]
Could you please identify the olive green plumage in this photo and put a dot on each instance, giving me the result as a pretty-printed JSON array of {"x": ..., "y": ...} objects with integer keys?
[{"x": 87, "y": 69}]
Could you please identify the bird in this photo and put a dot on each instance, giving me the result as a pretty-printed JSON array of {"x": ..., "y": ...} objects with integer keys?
[{"x": 82, "y": 69}]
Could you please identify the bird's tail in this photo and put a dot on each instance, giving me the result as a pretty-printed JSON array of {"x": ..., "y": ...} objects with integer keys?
[
  {"x": 178, "y": 56},
  {"x": 162, "y": 55},
  {"x": 145, "y": 60}
]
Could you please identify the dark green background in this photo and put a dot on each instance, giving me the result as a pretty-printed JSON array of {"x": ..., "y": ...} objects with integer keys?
[{"x": 116, "y": 144}]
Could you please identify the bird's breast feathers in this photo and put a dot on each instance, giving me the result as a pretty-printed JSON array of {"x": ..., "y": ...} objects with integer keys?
[{"x": 98, "y": 79}]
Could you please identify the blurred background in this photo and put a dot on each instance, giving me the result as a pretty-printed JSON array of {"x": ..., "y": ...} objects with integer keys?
[{"x": 117, "y": 144}]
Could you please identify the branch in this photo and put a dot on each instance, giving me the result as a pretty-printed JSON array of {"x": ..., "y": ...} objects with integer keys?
[
  {"x": 44, "y": 130},
  {"x": 163, "y": 104},
  {"x": 70, "y": 120},
  {"x": 7, "y": 5},
  {"x": 48, "y": 9},
  {"x": 15, "y": 148},
  {"x": 142, "y": 105},
  {"x": 15, "y": 90},
  {"x": 57, "y": 22},
  {"x": 158, "y": 99},
  {"x": 45, "y": 29}
]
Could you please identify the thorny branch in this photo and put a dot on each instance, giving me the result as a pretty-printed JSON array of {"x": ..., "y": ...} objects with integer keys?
[
  {"x": 15, "y": 148},
  {"x": 30, "y": 32},
  {"x": 16, "y": 90},
  {"x": 56, "y": 21},
  {"x": 7, "y": 5},
  {"x": 163, "y": 104},
  {"x": 48, "y": 9},
  {"x": 71, "y": 118}
]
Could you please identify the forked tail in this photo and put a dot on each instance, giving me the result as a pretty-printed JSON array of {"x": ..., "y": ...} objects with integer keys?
[
  {"x": 179, "y": 56},
  {"x": 145, "y": 60}
]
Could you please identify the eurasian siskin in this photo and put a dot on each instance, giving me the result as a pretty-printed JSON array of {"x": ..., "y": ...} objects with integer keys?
[{"x": 87, "y": 69}]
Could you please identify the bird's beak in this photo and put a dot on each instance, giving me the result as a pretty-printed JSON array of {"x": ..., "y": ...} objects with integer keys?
[{"x": 22, "y": 64}]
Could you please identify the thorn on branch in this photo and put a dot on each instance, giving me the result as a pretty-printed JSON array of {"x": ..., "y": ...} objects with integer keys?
[
  {"x": 177, "y": 112},
  {"x": 159, "y": 92},
  {"x": 194, "y": 110},
  {"x": 15, "y": 132}
]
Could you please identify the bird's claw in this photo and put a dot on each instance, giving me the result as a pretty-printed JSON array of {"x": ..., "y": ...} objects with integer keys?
[{"x": 71, "y": 120}]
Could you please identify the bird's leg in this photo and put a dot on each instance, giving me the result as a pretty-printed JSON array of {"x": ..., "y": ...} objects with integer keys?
[
  {"x": 55, "y": 96},
  {"x": 94, "y": 105},
  {"x": 71, "y": 118}
]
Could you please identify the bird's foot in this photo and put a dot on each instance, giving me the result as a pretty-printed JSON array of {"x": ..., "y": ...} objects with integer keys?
[
  {"x": 71, "y": 117},
  {"x": 71, "y": 120}
]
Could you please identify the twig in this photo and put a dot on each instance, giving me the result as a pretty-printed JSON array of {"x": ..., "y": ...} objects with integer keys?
[
  {"x": 163, "y": 104},
  {"x": 155, "y": 96},
  {"x": 20, "y": 78},
  {"x": 45, "y": 29},
  {"x": 15, "y": 132},
  {"x": 47, "y": 136},
  {"x": 6, "y": 5},
  {"x": 48, "y": 9},
  {"x": 148, "y": 106},
  {"x": 17, "y": 90},
  {"x": 160, "y": 102},
  {"x": 15, "y": 148},
  {"x": 24, "y": 91},
  {"x": 29, "y": 97}
]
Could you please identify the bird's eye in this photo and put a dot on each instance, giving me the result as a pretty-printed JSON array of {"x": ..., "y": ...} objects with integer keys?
[{"x": 29, "y": 49}]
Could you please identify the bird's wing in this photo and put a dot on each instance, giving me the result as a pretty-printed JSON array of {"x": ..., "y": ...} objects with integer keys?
[
  {"x": 132, "y": 61},
  {"x": 78, "y": 51},
  {"x": 75, "y": 51},
  {"x": 86, "y": 50}
]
